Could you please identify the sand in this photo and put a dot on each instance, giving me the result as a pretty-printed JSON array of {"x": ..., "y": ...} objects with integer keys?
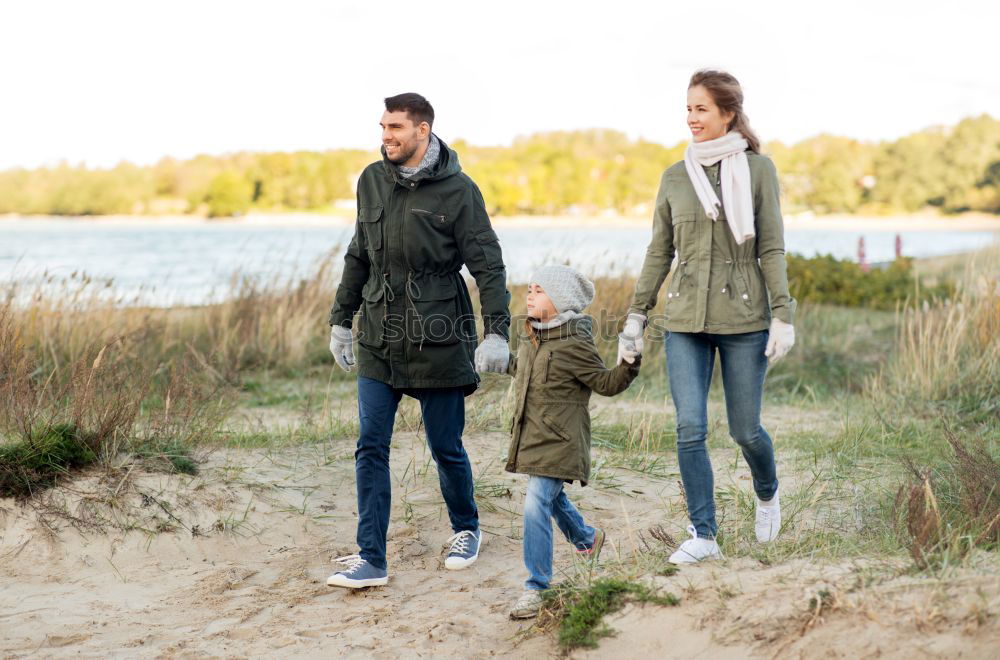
[{"x": 238, "y": 569}]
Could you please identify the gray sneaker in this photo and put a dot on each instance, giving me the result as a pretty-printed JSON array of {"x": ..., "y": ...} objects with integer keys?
[
  {"x": 527, "y": 606},
  {"x": 464, "y": 549},
  {"x": 358, "y": 573}
]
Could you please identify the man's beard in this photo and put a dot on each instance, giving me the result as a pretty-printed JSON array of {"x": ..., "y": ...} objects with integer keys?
[{"x": 403, "y": 155}]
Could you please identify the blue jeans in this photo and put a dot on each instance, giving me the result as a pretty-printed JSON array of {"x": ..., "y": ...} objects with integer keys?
[
  {"x": 690, "y": 361},
  {"x": 546, "y": 500},
  {"x": 443, "y": 410}
]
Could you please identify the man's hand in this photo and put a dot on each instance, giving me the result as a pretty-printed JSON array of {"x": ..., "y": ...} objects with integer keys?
[
  {"x": 630, "y": 338},
  {"x": 780, "y": 340},
  {"x": 492, "y": 355},
  {"x": 342, "y": 346}
]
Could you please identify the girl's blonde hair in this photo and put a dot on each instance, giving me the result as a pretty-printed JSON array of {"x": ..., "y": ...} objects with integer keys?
[{"x": 725, "y": 90}]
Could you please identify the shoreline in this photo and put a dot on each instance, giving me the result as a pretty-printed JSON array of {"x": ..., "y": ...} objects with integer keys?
[{"x": 800, "y": 222}]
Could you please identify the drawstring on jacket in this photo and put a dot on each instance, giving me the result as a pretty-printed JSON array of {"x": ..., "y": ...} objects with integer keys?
[{"x": 413, "y": 293}]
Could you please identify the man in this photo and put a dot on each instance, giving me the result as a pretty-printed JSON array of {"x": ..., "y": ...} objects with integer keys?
[{"x": 419, "y": 220}]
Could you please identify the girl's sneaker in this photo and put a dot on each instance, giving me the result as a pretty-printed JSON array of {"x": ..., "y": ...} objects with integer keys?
[
  {"x": 594, "y": 551},
  {"x": 527, "y": 605},
  {"x": 768, "y": 522},
  {"x": 695, "y": 549},
  {"x": 358, "y": 573}
]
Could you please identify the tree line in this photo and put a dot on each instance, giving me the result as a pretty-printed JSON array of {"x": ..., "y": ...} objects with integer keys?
[{"x": 950, "y": 169}]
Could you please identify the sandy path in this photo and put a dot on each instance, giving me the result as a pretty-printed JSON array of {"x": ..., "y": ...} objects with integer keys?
[
  {"x": 254, "y": 582},
  {"x": 251, "y": 580}
]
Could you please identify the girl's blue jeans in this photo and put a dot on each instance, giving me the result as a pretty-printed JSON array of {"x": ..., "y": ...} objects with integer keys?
[{"x": 546, "y": 500}]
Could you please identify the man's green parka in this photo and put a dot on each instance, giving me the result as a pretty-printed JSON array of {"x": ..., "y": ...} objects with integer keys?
[{"x": 416, "y": 327}]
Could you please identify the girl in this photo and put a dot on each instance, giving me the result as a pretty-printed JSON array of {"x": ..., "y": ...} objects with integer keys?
[
  {"x": 718, "y": 212},
  {"x": 554, "y": 373}
]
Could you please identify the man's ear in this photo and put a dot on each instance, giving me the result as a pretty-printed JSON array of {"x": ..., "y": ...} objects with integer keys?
[{"x": 423, "y": 130}]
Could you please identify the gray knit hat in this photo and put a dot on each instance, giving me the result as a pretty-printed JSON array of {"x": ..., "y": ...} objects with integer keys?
[{"x": 567, "y": 289}]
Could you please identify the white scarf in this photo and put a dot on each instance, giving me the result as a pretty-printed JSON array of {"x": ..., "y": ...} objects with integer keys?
[{"x": 737, "y": 196}]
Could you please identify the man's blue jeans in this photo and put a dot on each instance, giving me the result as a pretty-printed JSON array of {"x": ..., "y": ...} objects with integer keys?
[
  {"x": 443, "y": 410},
  {"x": 690, "y": 361},
  {"x": 546, "y": 500}
]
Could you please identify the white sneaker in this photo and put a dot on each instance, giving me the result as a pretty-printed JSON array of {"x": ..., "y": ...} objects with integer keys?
[
  {"x": 768, "y": 522},
  {"x": 695, "y": 549},
  {"x": 527, "y": 605}
]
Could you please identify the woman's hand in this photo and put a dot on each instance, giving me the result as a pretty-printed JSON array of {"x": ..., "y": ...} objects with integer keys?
[
  {"x": 630, "y": 338},
  {"x": 780, "y": 340}
]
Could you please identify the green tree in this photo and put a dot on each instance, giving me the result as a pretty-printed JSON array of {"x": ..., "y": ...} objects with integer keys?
[{"x": 228, "y": 194}]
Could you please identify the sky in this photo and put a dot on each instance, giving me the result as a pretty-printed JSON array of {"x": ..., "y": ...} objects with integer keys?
[{"x": 102, "y": 81}]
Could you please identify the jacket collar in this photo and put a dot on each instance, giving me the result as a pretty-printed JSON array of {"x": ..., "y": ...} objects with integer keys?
[{"x": 447, "y": 165}]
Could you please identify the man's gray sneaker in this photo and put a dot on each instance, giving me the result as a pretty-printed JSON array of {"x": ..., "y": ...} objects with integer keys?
[
  {"x": 358, "y": 573},
  {"x": 464, "y": 549}
]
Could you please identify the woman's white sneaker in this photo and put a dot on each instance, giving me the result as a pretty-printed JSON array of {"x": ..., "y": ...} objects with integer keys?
[
  {"x": 768, "y": 522},
  {"x": 695, "y": 549}
]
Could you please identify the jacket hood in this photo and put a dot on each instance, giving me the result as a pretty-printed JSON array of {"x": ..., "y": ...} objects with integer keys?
[{"x": 447, "y": 165}]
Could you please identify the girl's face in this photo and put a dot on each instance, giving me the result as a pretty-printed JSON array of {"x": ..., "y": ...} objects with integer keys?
[
  {"x": 704, "y": 118},
  {"x": 540, "y": 307}
]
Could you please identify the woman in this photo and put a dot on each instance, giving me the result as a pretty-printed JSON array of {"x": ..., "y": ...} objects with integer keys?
[{"x": 718, "y": 211}]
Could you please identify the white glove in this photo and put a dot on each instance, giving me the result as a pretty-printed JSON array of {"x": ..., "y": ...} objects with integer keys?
[
  {"x": 492, "y": 355},
  {"x": 630, "y": 338},
  {"x": 342, "y": 346},
  {"x": 780, "y": 340}
]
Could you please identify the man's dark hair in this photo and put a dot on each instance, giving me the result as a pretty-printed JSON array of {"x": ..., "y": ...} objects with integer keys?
[{"x": 417, "y": 108}]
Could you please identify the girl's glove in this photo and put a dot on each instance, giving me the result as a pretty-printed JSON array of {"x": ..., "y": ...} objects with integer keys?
[
  {"x": 492, "y": 355},
  {"x": 342, "y": 346},
  {"x": 780, "y": 340},
  {"x": 630, "y": 338}
]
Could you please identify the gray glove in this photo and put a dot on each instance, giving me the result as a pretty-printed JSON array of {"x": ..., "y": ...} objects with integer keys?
[
  {"x": 492, "y": 355},
  {"x": 630, "y": 338},
  {"x": 342, "y": 346}
]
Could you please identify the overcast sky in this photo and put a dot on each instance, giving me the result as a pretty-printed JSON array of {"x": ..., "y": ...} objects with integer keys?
[{"x": 101, "y": 81}]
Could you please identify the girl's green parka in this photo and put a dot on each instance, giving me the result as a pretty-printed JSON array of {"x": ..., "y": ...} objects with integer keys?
[{"x": 550, "y": 432}]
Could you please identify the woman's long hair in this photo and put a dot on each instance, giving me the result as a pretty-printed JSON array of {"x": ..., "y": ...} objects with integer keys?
[{"x": 725, "y": 90}]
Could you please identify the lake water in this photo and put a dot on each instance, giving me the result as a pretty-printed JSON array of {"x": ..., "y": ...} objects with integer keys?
[{"x": 184, "y": 263}]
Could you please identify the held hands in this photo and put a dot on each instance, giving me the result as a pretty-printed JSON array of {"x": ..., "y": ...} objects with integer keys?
[
  {"x": 630, "y": 338},
  {"x": 492, "y": 355},
  {"x": 780, "y": 340},
  {"x": 342, "y": 346}
]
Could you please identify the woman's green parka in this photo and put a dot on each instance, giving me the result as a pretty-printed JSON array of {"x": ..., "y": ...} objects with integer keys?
[{"x": 718, "y": 286}]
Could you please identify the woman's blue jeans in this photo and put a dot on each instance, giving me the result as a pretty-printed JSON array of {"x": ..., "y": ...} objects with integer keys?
[
  {"x": 690, "y": 362},
  {"x": 546, "y": 500}
]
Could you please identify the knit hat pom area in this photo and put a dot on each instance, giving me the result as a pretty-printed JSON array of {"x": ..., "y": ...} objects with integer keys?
[{"x": 566, "y": 288}]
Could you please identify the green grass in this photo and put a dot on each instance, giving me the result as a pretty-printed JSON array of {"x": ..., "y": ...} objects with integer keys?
[
  {"x": 580, "y": 611},
  {"x": 31, "y": 465}
]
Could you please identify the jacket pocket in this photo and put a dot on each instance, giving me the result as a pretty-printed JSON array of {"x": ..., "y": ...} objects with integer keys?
[
  {"x": 371, "y": 321},
  {"x": 435, "y": 307},
  {"x": 368, "y": 217},
  {"x": 490, "y": 244},
  {"x": 437, "y": 219},
  {"x": 564, "y": 419}
]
